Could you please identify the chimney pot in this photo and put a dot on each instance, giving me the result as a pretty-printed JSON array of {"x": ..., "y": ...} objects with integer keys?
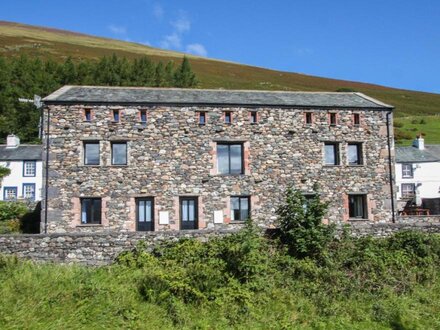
[
  {"x": 419, "y": 142},
  {"x": 12, "y": 141}
]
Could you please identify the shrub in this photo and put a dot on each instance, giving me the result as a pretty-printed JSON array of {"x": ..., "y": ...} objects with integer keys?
[
  {"x": 301, "y": 224},
  {"x": 398, "y": 124},
  {"x": 422, "y": 121}
]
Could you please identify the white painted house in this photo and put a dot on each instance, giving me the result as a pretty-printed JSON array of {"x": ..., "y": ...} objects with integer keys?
[
  {"x": 418, "y": 172},
  {"x": 25, "y": 163}
]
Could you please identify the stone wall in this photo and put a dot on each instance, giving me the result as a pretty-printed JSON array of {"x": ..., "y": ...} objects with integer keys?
[
  {"x": 102, "y": 248},
  {"x": 173, "y": 156}
]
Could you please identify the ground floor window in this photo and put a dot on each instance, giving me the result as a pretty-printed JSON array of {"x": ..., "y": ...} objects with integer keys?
[
  {"x": 357, "y": 206},
  {"x": 408, "y": 190},
  {"x": 145, "y": 214},
  {"x": 9, "y": 193},
  {"x": 240, "y": 208},
  {"x": 189, "y": 214},
  {"x": 29, "y": 191},
  {"x": 90, "y": 210}
]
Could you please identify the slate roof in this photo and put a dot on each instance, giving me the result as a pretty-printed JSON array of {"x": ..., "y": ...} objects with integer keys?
[
  {"x": 22, "y": 152},
  {"x": 431, "y": 153},
  {"x": 174, "y": 96}
]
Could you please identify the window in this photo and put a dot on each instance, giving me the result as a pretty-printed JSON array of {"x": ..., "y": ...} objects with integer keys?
[
  {"x": 408, "y": 190},
  {"x": 355, "y": 154},
  {"x": 308, "y": 118},
  {"x": 115, "y": 115},
  {"x": 91, "y": 153},
  {"x": 188, "y": 213},
  {"x": 230, "y": 158},
  {"x": 357, "y": 206},
  {"x": 356, "y": 119},
  {"x": 331, "y": 150},
  {"x": 29, "y": 167},
  {"x": 90, "y": 210},
  {"x": 87, "y": 115},
  {"x": 119, "y": 153},
  {"x": 332, "y": 119},
  {"x": 240, "y": 208},
  {"x": 145, "y": 214},
  {"x": 407, "y": 171},
  {"x": 228, "y": 117},
  {"x": 9, "y": 193},
  {"x": 253, "y": 117},
  {"x": 29, "y": 191},
  {"x": 202, "y": 118},
  {"x": 143, "y": 116}
]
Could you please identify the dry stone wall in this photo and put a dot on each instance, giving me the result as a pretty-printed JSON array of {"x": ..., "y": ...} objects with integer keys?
[{"x": 173, "y": 156}]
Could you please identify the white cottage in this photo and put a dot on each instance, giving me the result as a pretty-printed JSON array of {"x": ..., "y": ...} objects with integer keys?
[
  {"x": 418, "y": 174},
  {"x": 25, "y": 163}
]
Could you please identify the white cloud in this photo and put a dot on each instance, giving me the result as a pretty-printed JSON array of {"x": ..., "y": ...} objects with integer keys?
[
  {"x": 196, "y": 49},
  {"x": 158, "y": 11},
  {"x": 182, "y": 23},
  {"x": 117, "y": 29},
  {"x": 172, "y": 41}
]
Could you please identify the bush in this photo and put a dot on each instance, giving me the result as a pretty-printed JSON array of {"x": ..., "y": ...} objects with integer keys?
[
  {"x": 422, "y": 122},
  {"x": 301, "y": 224},
  {"x": 398, "y": 124}
]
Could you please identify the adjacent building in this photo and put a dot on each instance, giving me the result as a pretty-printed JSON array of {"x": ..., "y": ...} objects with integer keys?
[
  {"x": 25, "y": 163},
  {"x": 151, "y": 159},
  {"x": 418, "y": 175}
]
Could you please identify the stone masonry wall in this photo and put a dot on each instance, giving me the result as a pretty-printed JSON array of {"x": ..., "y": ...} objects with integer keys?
[{"x": 173, "y": 156}]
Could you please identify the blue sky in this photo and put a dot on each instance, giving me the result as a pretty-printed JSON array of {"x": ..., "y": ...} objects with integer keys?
[{"x": 389, "y": 42}]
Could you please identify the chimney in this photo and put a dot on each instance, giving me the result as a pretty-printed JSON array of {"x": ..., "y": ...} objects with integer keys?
[
  {"x": 12, "y": 141},
  {"x": 419, "y": 142}
]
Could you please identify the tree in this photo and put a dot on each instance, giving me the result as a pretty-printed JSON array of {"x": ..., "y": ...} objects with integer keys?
[
  {"x": 184, "y": 77},
  {"x": 301, "y": 224}
]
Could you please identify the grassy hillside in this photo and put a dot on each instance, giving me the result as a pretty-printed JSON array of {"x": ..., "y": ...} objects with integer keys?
[{"x": 37, "y": 41}]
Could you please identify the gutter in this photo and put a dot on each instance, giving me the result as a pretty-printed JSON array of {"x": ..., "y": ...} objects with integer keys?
[{"x": 390, "y": 167}]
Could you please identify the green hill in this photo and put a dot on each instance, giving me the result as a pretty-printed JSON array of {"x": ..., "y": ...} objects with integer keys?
[{"x": 411, "y": 106}]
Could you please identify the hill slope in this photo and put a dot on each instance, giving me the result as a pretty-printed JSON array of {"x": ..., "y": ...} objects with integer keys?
[{"x": 38, "y": 41}]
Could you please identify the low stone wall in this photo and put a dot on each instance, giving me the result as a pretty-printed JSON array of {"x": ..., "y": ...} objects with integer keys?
[{"x": 102, "y": 248}]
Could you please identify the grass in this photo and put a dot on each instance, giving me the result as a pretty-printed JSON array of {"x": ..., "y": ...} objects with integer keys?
[
  {"x": 241, "y": 282},
  {"x": 413, "y": 125}
]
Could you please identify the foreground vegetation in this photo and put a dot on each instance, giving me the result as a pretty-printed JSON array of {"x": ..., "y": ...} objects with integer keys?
[{"x": 242, "y": 281}]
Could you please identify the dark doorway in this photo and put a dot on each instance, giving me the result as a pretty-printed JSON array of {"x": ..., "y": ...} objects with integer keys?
[
  {"x": 189, "y": 213},
  {"x": 145, "y": 214}
]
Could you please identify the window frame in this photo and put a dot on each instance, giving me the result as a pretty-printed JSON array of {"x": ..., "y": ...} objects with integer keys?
[
  {"x": 202, "y": 114},
  {"x": 404, "y": 193},
  {"x": 138, "y": 221},
  {"x": 411, "y": 175},
  {"x": 248, "y": 197},
  {"x": 359, "y": 152},
  {"x": 112, "y": 152},
  {"x": 356, "y": 119},
  {"x": 29, "y": 185},
  {"x": 308, "y": 115},
  {"x": 332, "y": 115},
  {"x": 87, "y": 115},
  {"x": 253, "y": 117},
  {"x": 337, "y": 153},
  {"x": 92, "y": 221},
  {"x": 141, "y": 113},
  {"x": 25, "y": 162},
  {"x": 225, "y": 115},
  {"x": 7, "y": 188},
  {"x": 85, "y": 143},
  {"x": 229, "y": 144},
  {"x": 116, "y": 115},
  {"x": 364, "y": 206}
]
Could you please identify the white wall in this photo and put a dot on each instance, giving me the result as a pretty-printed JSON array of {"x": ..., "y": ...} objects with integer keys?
[
  {"x": 16, "y": 178},
  {"x": 426, "y": 178}
]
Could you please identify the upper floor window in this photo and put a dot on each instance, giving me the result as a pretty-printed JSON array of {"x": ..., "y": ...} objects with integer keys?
[
  {"x": 308, "y": 117},
  {"x": 202, "y": 118},
  {"x": 87, "y": 115},
  {"x": 240, "y": 208},
  {"x": 332, "y": 119},
  {"x": 253, "y": 117},
  {"x": 29, "y": 168},
  {"x": 356, "y": 119},
  {"x": 9, "y": 193},
  {"x": 408, "y": 190},
  {"x": 119, "y": 153},
  {"x": 331, "y": 151},
  {"x": 228, "y": 117},
  {"x": 357, "y": 206},
  {"x": 354, "y": 154},
  {"x": 91, "y": 153},
  {"x": 407, "y": 171},
  {"x": 230, "y": 158},
  {"x": 29, "y": 191},
  {"x": 90, "y": 210},
  {"x": 143, "y": 116},
  {"x": 115, "y": 115}
]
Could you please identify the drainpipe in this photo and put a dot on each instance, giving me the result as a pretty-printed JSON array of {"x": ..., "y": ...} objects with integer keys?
[
  {"x": 390, "y": 167},
  {"x": 46, "y": 188}
]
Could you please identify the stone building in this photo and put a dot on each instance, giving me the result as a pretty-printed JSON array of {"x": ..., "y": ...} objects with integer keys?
[{"x": 128, "y": 159}]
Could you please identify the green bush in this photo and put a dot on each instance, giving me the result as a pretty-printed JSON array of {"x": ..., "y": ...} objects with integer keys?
[
  {"x": 398, "y": 124},
  {"x": 301, "y": 224}
]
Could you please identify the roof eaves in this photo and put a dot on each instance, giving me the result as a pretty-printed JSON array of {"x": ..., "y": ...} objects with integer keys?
[{"x": 374, "y": 100}]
